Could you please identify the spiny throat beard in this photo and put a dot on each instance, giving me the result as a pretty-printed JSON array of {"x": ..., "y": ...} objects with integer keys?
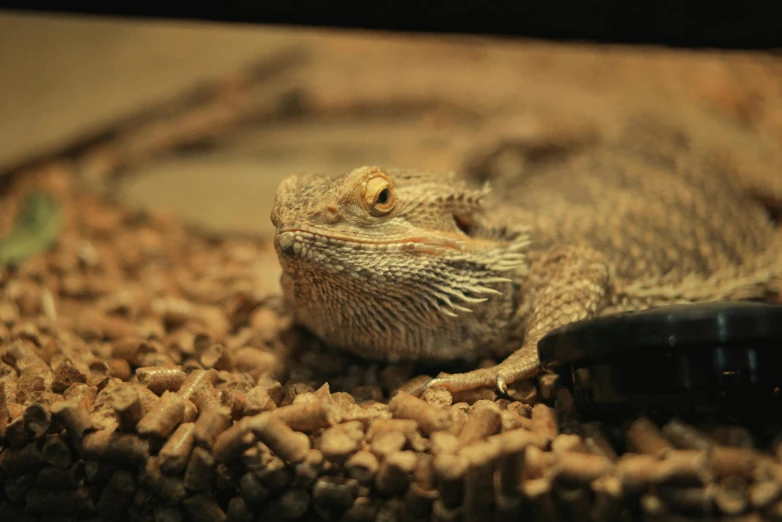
[{"x": 396, "y": 301}]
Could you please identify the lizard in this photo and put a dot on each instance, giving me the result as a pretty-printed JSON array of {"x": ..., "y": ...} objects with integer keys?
[{"x": 404, "y": 264}]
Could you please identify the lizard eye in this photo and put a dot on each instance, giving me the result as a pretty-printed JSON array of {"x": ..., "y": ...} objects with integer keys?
[{"x": 379, "y": 196}]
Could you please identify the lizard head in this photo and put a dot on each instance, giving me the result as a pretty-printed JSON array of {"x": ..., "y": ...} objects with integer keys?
[{"x": 390, "y": 253}]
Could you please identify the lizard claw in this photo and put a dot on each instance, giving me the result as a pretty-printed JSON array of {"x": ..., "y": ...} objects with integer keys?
[
  {"x": 502, "y": 385},
  {"x": 435, "y": 381}
]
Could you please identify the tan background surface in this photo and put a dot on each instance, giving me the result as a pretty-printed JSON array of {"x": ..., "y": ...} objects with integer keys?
[{"x": 65, "y": 77}]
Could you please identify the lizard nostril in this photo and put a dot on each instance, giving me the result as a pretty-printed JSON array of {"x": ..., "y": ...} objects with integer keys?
[{"x": 332, "y": 213}]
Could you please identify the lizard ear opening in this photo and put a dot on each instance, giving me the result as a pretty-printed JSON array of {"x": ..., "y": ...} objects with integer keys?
[{"x": 465, "y": 223}]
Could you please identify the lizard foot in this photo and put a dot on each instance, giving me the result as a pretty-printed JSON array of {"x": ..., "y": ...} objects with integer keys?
[
  {"x": 499, "y": 376},
  {"x": 464, "y": 381},
  {"x": 520, "y": 365}
]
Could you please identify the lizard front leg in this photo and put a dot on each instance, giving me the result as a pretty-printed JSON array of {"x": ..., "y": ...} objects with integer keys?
[{"x": 567, "y": 284}]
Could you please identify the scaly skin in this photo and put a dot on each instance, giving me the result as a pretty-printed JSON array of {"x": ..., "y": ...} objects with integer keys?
[{"x": 398, "y": 264}]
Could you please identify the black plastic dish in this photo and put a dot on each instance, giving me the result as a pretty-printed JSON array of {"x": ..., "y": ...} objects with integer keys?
[{"x": 716, "y": 358}]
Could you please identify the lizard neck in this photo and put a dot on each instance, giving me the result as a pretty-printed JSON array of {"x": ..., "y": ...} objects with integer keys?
[
  {"x": 401, "y": 305},
  {"x": 394, "y": 322}
]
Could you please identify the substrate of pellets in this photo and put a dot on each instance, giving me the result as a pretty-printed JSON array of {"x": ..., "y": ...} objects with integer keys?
[{"x": 150, "y": 373}]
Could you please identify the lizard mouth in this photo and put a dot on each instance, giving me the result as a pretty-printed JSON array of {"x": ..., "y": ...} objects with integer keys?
[{"x": 300, "y": 242}]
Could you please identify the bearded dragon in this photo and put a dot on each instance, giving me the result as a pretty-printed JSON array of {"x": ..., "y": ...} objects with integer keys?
[{"x": 400, "y": 264}]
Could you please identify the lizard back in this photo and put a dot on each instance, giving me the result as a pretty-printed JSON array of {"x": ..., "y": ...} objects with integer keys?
[{"x": 657, "y": 207}]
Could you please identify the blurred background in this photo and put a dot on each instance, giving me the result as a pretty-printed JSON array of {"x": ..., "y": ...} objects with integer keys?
[{"x": 204, "y": 119}]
